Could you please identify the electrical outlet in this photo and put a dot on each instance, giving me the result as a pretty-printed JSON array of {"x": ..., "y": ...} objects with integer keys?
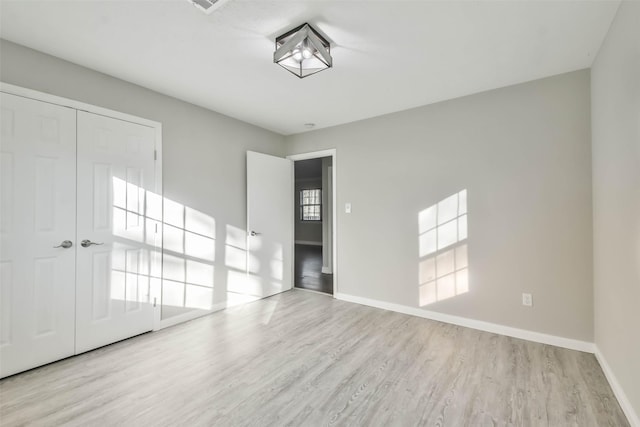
[
  {"x": 347, "y": 208},
  {"x": 527, "y": 300}
]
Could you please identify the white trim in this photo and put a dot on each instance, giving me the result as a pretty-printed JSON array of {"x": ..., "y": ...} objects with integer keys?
[
  {"x": 474, "y": 324},
  {"x": 623, "y": 400},
  {"x": 326, "y": 270},
  {"x": 77, "y": 105},
  {"x": 293, "y": 226},
  {"x": 190, "y": 315},
  {"x": 332, "y": 152},
  {"x": 308, "y": 243},
  {"x": 157, "y": 242}
]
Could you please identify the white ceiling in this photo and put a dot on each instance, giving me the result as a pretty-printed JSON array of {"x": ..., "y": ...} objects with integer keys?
[{"x": 388, "y": 55}]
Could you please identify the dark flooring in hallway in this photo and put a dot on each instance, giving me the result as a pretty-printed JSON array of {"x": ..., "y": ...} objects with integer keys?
[{"x": 308, "y": 270}]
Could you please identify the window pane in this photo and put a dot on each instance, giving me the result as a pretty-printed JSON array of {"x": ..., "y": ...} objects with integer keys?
[
  {"x": 314, "y": 213},
  {"x": 310, "y": 204}
]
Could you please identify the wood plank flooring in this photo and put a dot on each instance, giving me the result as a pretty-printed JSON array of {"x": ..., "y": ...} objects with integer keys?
[
  {"x": 308, "y": 270},
  {"x": 302, "y": 359}
]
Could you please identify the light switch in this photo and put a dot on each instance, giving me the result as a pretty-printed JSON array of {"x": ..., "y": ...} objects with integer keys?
[{"x": 347, "y": 208}]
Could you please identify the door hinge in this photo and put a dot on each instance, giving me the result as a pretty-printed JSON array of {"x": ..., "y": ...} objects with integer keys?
[
  {"x": 155, "y": 154},
  {"x": 154, "y": 301}
]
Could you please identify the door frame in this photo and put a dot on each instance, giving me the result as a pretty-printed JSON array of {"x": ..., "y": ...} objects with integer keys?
[
  {"x": 156, "y": 294},
  {"x": 332, "y": 152}
]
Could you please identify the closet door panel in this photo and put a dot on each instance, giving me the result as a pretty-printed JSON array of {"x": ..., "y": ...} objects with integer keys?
[
  {"x": 116, "y": 172},
  {"x": 37, "y": 213}
]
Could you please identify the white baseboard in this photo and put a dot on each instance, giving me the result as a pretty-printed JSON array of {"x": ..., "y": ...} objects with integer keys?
[
  {"x": 623, "y": 400},
  {"x": 495, "y": 328},
  {"x": 190, "y": 315},
  {"x": 326, "y": 270},
  {"x": 308, "y": 243}
]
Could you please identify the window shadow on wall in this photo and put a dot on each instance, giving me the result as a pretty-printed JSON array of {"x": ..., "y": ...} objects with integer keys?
[
  {"x": 443, "y": 269},
  {"x": 167, "y": 251}
]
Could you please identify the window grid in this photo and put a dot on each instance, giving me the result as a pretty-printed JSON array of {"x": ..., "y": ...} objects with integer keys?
[{"x": 311, "y": 204}]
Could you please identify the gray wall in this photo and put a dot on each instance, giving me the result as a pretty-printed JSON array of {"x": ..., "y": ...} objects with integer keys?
[
  {"x": 204, "y": 161},
  {"x": 523, "y": 154},
  {"x": 615, "y": 87}
]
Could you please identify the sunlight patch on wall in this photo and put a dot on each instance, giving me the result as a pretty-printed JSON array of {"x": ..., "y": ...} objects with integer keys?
[
  {"x": 444, "y": 276},
  {"x": 443, "y": 270},
  {"x": 443, "y": 224},
  {"x": 182, "y": 276}
]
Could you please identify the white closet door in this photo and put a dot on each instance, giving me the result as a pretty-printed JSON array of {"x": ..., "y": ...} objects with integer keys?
[
  {"x": 116, "y": 175},
  {"x": 37, "y": 212}
]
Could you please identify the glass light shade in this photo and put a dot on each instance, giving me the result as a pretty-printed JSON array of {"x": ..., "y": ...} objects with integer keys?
[{"x": 303, "y": 51}]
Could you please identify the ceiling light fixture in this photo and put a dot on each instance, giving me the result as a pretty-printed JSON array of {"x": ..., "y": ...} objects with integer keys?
[
  {"x": 207, "y": 6},
  {"x": 303, "y": 51}
]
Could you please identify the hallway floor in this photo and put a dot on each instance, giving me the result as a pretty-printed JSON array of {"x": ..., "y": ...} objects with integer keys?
[{"x": 308, "y": 270}]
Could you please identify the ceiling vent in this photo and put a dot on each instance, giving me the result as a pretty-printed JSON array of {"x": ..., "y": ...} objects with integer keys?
[{"x": 207, "y": 6}]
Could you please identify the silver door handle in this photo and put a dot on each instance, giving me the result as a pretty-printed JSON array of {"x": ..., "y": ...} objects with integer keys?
[
  {"x": 66, "y": 244},
  {"x": 255, "y": 233},
  {"x": 86, "y": 243}
]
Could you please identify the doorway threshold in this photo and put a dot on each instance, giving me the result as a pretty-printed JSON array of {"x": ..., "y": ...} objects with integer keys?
[{"x": 312, "y": 291}]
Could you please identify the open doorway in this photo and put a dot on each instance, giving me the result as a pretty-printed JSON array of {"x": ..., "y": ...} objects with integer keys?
[{"x": 313, "y": 224}]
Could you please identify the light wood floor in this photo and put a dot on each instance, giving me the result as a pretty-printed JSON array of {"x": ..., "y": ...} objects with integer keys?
[{"x": 303, "y": 359}]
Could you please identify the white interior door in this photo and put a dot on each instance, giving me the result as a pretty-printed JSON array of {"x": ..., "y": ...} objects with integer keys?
[
  {"x": 37, "y": 213},
  {"x": 116, "y": 172},
  {"x": 269, "y": 224}
]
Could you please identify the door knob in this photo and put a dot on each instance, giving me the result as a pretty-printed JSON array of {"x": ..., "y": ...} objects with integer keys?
[
  {"x": 65, "y": 244},
  {"x": 255, "y": 233},
  {"x": 86, "y": 243}
]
